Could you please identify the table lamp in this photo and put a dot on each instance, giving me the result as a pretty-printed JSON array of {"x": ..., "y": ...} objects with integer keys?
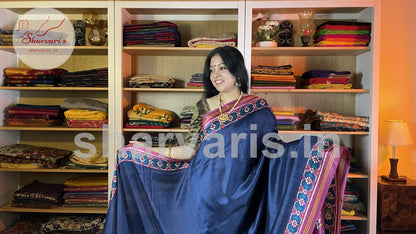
[{"x": 395, "y": 133}]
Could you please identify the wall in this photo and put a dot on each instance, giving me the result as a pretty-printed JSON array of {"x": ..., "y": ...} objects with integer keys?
[{"x": 398, "y": 79}]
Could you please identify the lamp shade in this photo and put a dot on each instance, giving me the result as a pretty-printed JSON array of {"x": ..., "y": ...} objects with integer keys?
[{"x": 395, "y": 133}]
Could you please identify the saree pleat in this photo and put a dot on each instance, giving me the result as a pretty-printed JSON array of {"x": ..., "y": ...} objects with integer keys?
[{"x": 236, "y": 183}]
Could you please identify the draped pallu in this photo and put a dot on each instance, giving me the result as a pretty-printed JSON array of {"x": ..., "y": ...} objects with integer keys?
[{"x": 258, "y": 185}]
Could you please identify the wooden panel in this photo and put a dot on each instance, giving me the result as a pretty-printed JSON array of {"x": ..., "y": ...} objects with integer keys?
[
  {"x": 179, "y": 68},
  {"x": 300, "y": 102},
  {"x": 61, "y": 140},
  {"x": 57, "y": 97}
]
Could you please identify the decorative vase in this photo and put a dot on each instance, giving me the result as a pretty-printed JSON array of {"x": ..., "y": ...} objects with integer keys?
[
  {"x": 306, "y": 27},
  {"x": 266, "y": 44}
]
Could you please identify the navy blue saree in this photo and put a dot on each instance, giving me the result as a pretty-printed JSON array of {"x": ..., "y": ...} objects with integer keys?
[{"x": 243, "y": 179}]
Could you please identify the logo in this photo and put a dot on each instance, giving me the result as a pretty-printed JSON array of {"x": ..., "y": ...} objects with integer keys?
[{"x": 43, "y": 38}]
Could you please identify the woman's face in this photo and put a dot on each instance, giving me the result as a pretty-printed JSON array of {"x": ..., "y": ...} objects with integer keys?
[{"x": 220, "y": 76}]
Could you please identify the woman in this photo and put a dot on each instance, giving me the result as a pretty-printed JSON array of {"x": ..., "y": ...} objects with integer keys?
[{"x": 241, "y": 178}]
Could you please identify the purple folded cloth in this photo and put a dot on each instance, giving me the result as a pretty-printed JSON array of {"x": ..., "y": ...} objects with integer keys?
[{"x": 323, "y": 74}]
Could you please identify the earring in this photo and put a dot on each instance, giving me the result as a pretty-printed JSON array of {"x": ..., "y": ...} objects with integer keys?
[{"x": 238, "y": 83}]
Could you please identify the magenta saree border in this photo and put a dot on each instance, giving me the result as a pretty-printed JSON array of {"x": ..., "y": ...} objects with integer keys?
[
  {"x": 248, "y": 104},
  {"x": 313, "y": 189}
]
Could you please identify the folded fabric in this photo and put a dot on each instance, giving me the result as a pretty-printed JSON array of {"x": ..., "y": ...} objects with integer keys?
[
  {"x": 38, "y": 194},
  {"x": 151, "y": 81},
  {"x": 343, "y": 37},
  {"x": 312, "y": 81},
  {"x": 101, "y": 188},
  {"x": 143, "y": 111},
  {"x": 325, "y": 74},
  {"x": 328, "y": 86},
  {"x": 327, "y": 121},
  {"x": 85, "y": 78},
  {"x": 84, "y": 103},
  {"x": 86, "y": 224},
  {"x": 29, "y": 71},
  {"x": 81, "y": 114},
  {"x": 341, "y": 43},
  {"x": 162, "y": 33},
  {"x": 217, "y": 40},
  {"x": 72, "y": 123},
  {"x": 82, "y": 181},
  {"x": 287, "y": 117},
  {"x": 97, "y": 161},
  {"x": 345, "y": 25},
  {"x": 23, "y": 153},
  {"x": 267, "y": 77},
  {"x": 20, "y": 165},
  {"x": 147, "y": 123},
  {"x": 34, "y": 122},
  {"x": 272, "y": 70}
]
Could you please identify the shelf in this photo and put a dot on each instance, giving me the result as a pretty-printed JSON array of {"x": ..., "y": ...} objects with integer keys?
[
  {"x": 309, "y": 90},
  {"x": 321, "y": 132},
  {"x": 358, "y": 217},
  {"x": 56, "y": 128},
  {"x": 60, "y": 170},
  {"x": 280, "y": 131},
  {"x": 83, "y": 210},
  {"x": 173, "y": 90},
  {"x": 357, "y": 175},
  {"x": 155, "y": 130},
  {"x": 309, "y": 51},
  {"x": 166, "y": 51},
  {"x": 78, "y": 50},
  {"x": 21, "y": 88}
]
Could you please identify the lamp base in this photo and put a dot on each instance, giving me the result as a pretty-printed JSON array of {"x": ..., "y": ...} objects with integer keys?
[{"x": 400, "y": 179}]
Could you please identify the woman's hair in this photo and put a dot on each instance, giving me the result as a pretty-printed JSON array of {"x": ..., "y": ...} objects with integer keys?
[{"x": 234, "y": 61}]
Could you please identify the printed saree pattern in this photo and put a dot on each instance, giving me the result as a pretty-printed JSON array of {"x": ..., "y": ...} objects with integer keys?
[{"x": 252, "y": 185}]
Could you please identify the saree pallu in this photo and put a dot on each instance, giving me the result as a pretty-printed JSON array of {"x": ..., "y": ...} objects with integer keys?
[{"x": 254, "y": 186}]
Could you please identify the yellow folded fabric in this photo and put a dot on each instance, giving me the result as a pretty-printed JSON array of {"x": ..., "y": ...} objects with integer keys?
[
  {"x": 83, "y": 181},
  {"x": 283, "y": 112},
  {"x": 348, "y": 213},
  {"x": 20, "y": 165},
  {"x": 97, "y": 160},
  {"x": 328, "y": 86},
  {"x": 143, "y": 111},
  {"x": 82, "y": 114}
]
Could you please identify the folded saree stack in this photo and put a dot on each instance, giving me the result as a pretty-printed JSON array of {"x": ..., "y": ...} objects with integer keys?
[
  {"x": 143, "y": 115},
  {"x": 32, "y": 77},
  {"x": 151, "y": 81},
  {"x": 342, "y": 33},
  {"x": 96, "y": 161},
  {"x": 6, "y": 37},
  {"x": 85, "y": 78},
  {"x": 57, "y": 223},
  {"x": 326, "y": 79},
  {"x": 162, "y": 33},
  {"x": 85, "y": 113},
  {"x": 186, "y": 116},
  {"x": 216, "y": 40},
  {"x": 196, "y": 81},
  {"x": 29, "y": 156},
  {"x": 86, "y": 191},
  {"x": 38, "y": 195},
  {"x": 25, "y": 115},
  {"x": 326, "y": 121},
  {"x": 352, "y": 204},
  {"x": 286, "y": 120},
  {"x": 279, "y": 77}
]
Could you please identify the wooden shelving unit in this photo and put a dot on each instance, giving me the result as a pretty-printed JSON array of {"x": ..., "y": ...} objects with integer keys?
[{"x": 82, "y": 58}]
